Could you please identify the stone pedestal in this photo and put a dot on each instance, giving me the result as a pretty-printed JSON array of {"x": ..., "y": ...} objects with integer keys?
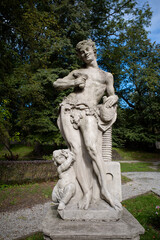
[
  {"x": 99, "y": 211},
  {"x": 54, "y": 228},
  {"x": 113, "y": 177}
]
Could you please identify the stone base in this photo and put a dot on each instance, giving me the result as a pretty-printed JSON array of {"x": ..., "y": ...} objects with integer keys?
[
  {"x": 127, "y": 228},
  {"x": 96, "y": 212}
]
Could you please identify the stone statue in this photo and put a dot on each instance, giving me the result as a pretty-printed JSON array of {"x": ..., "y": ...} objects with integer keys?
[
  {"x": 88, "y": 193},
  {"x": 65, "y": 187},
  {"x": 82, "y": 122}
]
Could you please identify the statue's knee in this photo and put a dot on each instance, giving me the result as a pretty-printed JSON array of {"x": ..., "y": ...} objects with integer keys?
[
  {"x": 70, "y": 188},
  {"x": 92, "y": 150},
  {"x": 73, "y": 187},
  {"x": 54, "y": 197},
  {"x": 75, "y": 149}
]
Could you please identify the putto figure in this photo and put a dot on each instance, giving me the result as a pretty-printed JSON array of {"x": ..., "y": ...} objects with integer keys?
[
  {"x": 65, "y": 187},
  {"x": 82, "y": 120}
]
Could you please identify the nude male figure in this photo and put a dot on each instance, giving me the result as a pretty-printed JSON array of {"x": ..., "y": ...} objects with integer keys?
[{"x": 78, "y": 119}]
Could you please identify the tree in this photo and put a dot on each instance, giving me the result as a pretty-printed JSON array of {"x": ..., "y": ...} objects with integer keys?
[
  {"x": 38, "y": 46},
  {"x": 7, "y": 133},
  {"x": 139, "y": 89},
  {"x": 28, "y": 33}
]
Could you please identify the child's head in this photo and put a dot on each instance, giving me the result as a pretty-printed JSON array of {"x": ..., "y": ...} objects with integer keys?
[{"x": 59, "y": 156}]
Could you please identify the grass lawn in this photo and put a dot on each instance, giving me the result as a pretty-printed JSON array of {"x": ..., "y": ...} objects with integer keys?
[
  {"x": 36, "y": 236},
  {"x": 25, "y": 151},
  {"x": 125, "y": 179},
  {"x": 138, "y": 155},
  {"x": 22, "y": 196},
  {"x": 14, "y": 197},
  {"x": 138, "y": 167},
  {"x": 22, "y": 150},
  {"x": 144, "y": 210}
]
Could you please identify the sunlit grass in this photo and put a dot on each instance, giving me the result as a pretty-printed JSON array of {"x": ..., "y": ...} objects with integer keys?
[
  {"x": 143, "y": 209},
  {"x": 137, "y": 167},
  {"x": 22, "y": 150},
  {"x": 137, "y": 155}
]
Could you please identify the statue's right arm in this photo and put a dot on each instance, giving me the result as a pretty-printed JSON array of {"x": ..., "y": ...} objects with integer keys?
[
  {"x": 71, "y": 80},
  {"x": 64, "y": 83},
  {"x": 64, "y": 166}
]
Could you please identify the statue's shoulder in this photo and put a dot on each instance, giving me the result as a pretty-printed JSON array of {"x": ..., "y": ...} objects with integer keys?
[
  {"x": 108, "y": 77},
  {"x": 76, "y": 71},
  {"x": 108, "y": 74}
]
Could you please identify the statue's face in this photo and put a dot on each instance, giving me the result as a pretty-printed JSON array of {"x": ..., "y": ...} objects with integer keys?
[
  {"x": 60, "y": 159},
  {"x": 86, "y": 53}
]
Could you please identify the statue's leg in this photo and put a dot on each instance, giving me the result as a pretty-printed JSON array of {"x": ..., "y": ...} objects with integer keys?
[
  {"x": 68, "y": 193},
  {"x": 55, "y": 195},
  {"x": 90, "y": 134},
  {"x": 74, "y": 141}
]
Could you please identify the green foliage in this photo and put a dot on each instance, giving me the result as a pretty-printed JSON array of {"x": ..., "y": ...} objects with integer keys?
[
  {"x": 7, "y": 132},
  {"x": 26, "y": 172},
  {"x": 38, "y": 46},
  {"x": 137, "y": 81}
]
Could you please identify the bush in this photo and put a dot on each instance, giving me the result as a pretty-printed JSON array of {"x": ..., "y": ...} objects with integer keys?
[{"x": 27, "y": 171}]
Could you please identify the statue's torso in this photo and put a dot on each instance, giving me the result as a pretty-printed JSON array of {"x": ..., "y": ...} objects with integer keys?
[{"x": 94, "y": 89}]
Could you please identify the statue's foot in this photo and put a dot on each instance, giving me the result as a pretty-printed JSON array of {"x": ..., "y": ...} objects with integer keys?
[
  {"x": 85, "y": 201},
  {"x": 61, "y": 206},
  {"x": 94, "y": 201},
  {"x": 112, "y": 202},
  {"x": 117, "y": 205},
  {"x": 107, "y": 197}
]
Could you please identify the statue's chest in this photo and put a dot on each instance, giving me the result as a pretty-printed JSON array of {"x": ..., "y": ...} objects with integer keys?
[{"x": 95, "y": 78}]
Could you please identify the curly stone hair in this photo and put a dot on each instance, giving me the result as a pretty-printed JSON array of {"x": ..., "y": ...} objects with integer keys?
[{"x": 86, "y": 42}]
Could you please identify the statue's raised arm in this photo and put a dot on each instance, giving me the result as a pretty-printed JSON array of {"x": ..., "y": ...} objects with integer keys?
[{"x": 74, "y": 79}]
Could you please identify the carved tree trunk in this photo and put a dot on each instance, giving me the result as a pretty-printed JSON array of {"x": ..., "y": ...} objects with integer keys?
[{"x": 107, "y": 145}]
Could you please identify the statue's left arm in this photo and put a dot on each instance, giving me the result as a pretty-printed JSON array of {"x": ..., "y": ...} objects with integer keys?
[{"x": 111, "y": 98}]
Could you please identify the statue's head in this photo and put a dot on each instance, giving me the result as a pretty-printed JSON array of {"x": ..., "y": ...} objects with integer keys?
[
  {"x": 86, "y": 43},
  {"x": 59, "y": 156}
]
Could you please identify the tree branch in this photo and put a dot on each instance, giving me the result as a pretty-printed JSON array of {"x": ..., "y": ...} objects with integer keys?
[{"x": 127, "y": 101}]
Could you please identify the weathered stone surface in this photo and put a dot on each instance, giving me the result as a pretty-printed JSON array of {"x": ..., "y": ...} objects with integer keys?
[
  {"x": 100, "y": 211},
  {"x": 113, "y": 175},
  {"x": 55, "y": 228},
  {"x": 66, "y": 186},
  {"x": 86, "y": 126}
]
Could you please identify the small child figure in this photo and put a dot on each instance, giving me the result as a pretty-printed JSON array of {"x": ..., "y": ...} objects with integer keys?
[{"x": 66, "y": 185}]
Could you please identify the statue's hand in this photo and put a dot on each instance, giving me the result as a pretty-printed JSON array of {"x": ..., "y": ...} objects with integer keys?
[
  {"x": 80, "y": 81},
  {"x": 110, "y": 101},
  {"x": 73, "y": 156}
]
